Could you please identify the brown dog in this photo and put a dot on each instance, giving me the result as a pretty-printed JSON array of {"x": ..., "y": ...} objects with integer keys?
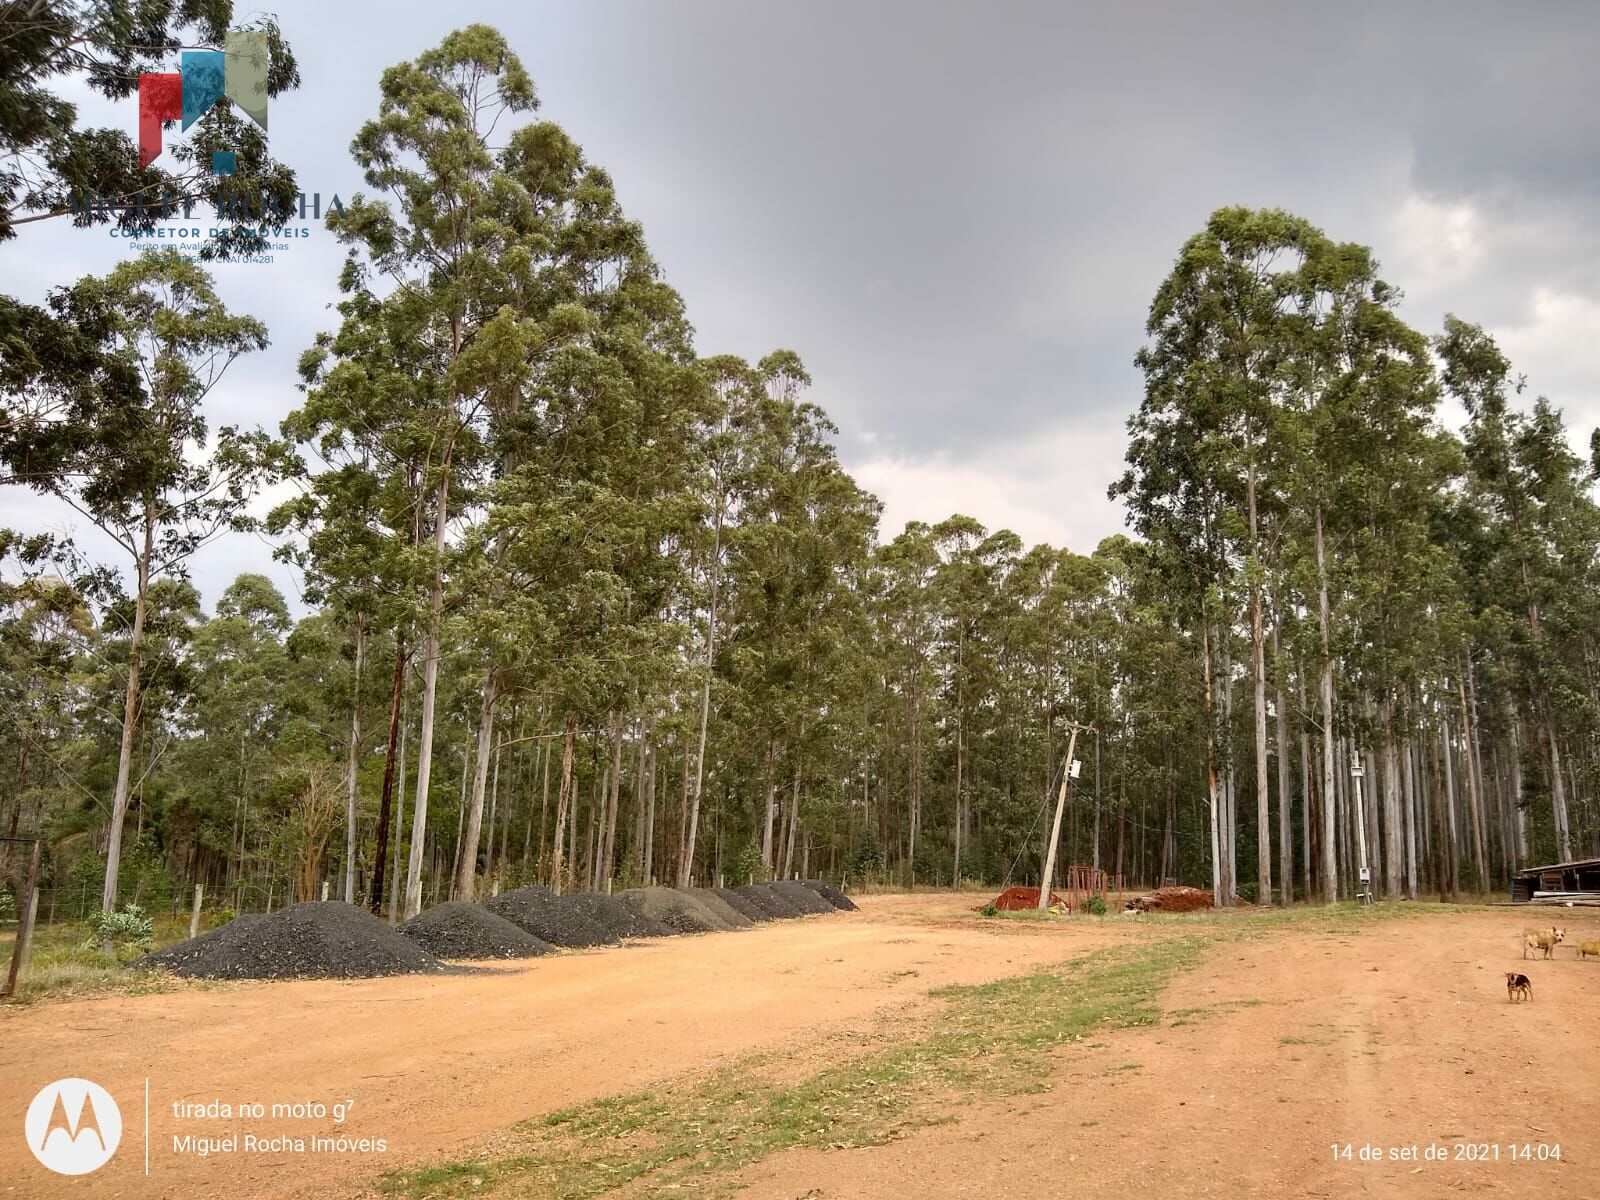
[
  {"x": 1542, "y": 939},
  {"x": 1585, "y": 949},
  {"x": 1518, "y": 985}
]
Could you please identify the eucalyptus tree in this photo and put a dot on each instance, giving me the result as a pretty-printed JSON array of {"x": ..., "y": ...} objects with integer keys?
[
  {"x": 448, "y": 247},
  {"x": 734, "y": 390},
  {"x": 343, "y": 560},
  {"x": 1541, "y": 529},
  {"x": 804, "y": 527},
  {"x": 134, "y": 454},
  {"x": 1200, "y": 463},
  {"x": 237, "y": 667},
  {"x": 47, "y": 629},
  {"x": 360, "y": 518},
  {"x": 906, "y": 623}
]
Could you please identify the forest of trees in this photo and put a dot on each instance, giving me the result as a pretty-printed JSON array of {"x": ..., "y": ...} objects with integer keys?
[{"x": 587, "y": 609}]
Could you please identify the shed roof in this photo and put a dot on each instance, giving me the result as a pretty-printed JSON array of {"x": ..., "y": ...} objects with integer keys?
[{"x": 1566, "y": 866}]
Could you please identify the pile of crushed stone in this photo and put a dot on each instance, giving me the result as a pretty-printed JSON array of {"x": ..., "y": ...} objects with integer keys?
[
  {"x": 713, "y": 900},
  {"x": 768, "y": 901},
  {"x": 679, "y": 911},
  {"x": 802, "y": 897},
  {"x": 832, "y": 895},
  {"x": 538, "y": 911},
  {"x": 742, "y": 904},
  {"x": 326, "y": 940},
  {"x": 457, "y": 929},
  {"x": 617, "y": 919}
]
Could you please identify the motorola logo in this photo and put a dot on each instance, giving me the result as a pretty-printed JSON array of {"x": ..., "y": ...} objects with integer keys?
[{"x": 73, "y": 1126}]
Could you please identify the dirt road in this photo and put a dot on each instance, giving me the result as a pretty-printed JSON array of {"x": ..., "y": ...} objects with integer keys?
[
  {"x": 1401, "y": 1037},
  {"x": 1269, "y": 1054},
  {"x": 432, "y": 1063}
]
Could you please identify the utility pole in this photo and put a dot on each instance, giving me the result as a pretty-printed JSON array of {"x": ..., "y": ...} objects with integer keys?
[
  {"x": 1364, "y": 880},
  {"x": 1067, "y": 773}
]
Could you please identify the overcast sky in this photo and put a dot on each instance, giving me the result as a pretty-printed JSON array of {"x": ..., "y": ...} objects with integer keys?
[{"x": 957, "y": 213}]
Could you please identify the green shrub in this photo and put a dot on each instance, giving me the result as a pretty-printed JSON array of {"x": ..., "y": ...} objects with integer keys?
[
  {"x": 1094, "y": 905},
  {"x": 128, "y": 928}
]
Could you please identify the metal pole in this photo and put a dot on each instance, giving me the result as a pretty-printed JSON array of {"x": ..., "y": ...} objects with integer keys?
[
  {"x": 1055, "y": 828},
  {"x": 1364, "y": 875},
  {"x": 25, "y": 915}
]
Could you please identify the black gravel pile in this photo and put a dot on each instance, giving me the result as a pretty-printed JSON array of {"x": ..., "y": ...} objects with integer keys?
[
  {"x": 831, "y": 894},
  {"x": 457, "y": 929},
  {"x": 681, "y": 912},
  {"x": 802, "y": 897},
  {"x": 619, "y": 920},
  {"x": 761, "y": 896},
  {"x": 741, "y": 904},
  {"x": 730, "y": 916},
  {"x": 537, "y": 910},
  {"x": 331, "y": 940}
]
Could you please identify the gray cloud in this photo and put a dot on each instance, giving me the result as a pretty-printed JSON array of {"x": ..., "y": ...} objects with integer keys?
[{"x": 957, "y": 213}]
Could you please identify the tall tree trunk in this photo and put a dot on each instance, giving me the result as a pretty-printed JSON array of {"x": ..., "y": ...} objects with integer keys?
[
  {"x": 1558, "y": 786},
  {"x": 1393, "y": 840},
  {"x": 1285, "y": 830},
  {"x": 544, "y": 804},
  {"x": 1330, "y": 866},
  {"x": 608, "y": 838},
  {"x": 1441, "y": 840},
  {"x": 687, "y": 865},
  {"x": 563, "y": 797},
  {"x": 769, "y": 813},
  {"x": 1410, "y": 789},
  {"x": 684, "y": 849},
  {"x": 1474, "y": 791},
  {"x": 1258, "y": 685},
  {"x": 386, "y": 795},
  {"x": 649, "y": 869},
  {"x": 400, "y": 783},
  {"x": 794, "y": 823},
  {"x": 355, "y": 764},
  {"x": 130, "y": 717},
  {"x": 430, "y": 687},
  {"x": 1217, "y": 895},
  {"x": 467, "y": 865},
  {"x": 961, "y": 759},
  {"x": 1454, "y": 835},
  {"x": 1520, "y": 814},
  {"x": 1305, "y": 782}
]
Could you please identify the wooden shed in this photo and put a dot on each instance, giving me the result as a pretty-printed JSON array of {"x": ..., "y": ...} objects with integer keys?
[{"x": 1558, "y": 883}]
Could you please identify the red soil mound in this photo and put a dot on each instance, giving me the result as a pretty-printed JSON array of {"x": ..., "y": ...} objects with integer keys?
[
  {"x": 1174, "y": 900},
  {"x": 1020, "y": 899}
]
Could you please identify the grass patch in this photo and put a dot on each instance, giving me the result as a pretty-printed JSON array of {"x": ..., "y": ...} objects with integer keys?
[
  {"x": 62, "y": 965},
  {"x": 1020, "y": 914}
]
